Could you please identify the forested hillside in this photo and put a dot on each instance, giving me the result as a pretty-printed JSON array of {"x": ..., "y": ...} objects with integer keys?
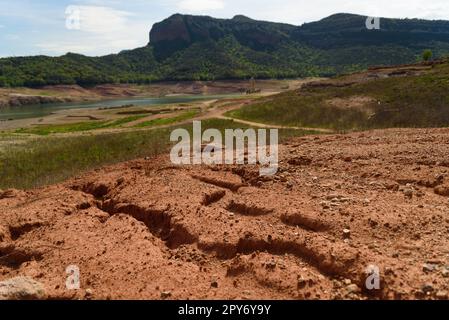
[{"x": 203, "y": 48}]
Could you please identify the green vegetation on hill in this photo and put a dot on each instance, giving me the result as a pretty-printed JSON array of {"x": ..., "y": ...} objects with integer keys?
[
  {"x": 409, "y": 101},
  {"x": 134, "y": 66},
  {"x": 186, "y": 47}
]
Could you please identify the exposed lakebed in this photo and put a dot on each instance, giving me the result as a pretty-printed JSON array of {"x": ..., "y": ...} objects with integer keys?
[{"x": 36, "y": 111}]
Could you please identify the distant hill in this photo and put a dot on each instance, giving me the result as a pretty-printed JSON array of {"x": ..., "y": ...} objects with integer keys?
[
  {"x": 185, "y": 47},
  {"x": 390, "y": 97}
]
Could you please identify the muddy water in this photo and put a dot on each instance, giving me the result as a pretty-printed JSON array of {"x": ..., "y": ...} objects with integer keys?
[{"x": 35, "y": 111}]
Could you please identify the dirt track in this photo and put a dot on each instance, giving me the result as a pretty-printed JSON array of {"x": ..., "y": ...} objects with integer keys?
[{"x": 148, "y": 230}]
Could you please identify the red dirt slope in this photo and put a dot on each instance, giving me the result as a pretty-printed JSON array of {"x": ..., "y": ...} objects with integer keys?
[{"x": 148, "y": 230}]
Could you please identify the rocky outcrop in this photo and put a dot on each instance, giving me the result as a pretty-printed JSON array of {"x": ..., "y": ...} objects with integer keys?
[
  {"x": 21, "y": 288},
  {"x": 180, "y": 31}
]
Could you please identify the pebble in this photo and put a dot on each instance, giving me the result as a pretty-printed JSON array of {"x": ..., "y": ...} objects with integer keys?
[
  {"x": 428, "y": 267},
  {"x": 271, "y": 265},
  {"x": 337, "y": 284},
  {"x": 352, "y": 288},
  {"x": 427, "y": 288},
  {"x": 346, "y": 233},
  {"x": 445, "y": 273},
  {"x": 89, "y": 293},
  {"x": 302, "y": 283},
  {"x": 408, "y": 193},
  {"x": 165, "y": 294},
  {"x": 442, "y": 295}
]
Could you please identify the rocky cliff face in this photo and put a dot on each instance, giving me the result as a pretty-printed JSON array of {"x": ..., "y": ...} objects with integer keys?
[
  {"x": 170, "y": 35},
  {"x": 180, "y": 31},
  {"x": 337, "y": 31}
]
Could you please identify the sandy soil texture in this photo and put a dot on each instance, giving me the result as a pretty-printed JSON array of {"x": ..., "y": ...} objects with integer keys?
[{"x": 149, "y": 230}]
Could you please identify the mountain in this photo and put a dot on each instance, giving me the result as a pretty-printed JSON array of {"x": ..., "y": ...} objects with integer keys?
[
  {"x": 185, "y": 47},
  {"x": 180, "y": 32}
]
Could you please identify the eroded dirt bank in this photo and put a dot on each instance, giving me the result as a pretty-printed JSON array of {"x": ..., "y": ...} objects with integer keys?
[{"x": 148, "y": 230}]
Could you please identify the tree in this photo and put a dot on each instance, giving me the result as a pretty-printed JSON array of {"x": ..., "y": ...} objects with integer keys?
[
  {"x": 3, "y": 82},
  {"x": 427, "y": 55},
  {"x": 35, "y": 82}
]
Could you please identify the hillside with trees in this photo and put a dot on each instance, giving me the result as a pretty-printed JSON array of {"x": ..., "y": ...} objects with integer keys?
[{"x": 185, "y": 47}]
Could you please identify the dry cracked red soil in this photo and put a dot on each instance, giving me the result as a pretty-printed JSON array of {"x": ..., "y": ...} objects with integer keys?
[{"x": 146, "y": 229}]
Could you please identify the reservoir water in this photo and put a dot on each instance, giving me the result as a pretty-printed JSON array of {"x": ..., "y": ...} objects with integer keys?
[{"x": 36, "y": 111}]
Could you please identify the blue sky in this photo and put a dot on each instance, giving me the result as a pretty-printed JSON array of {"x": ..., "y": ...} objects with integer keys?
[{"x": 30, "y": 27}]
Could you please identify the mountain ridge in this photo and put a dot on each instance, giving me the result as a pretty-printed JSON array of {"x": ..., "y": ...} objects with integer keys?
[{"x": 188, "y": 47}]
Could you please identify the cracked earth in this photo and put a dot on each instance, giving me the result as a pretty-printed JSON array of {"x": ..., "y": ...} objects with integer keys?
[{"x": 146, "y": 229}]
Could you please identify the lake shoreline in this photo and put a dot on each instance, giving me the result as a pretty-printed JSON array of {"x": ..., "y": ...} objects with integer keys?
[
  {"x": 107, "y": 110},
  {"x": 19, "y": 97}
]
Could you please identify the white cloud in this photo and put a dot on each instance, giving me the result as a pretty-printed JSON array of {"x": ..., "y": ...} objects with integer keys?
[
  {"x": 91, "y": 46},
  {"x": 200, "y": 5},
  {"x": 102, "y": 30},
  {"x": 102, "y": 19}
]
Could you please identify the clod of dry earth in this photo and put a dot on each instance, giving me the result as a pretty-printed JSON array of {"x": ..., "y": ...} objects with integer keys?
[
  {"x": 150, "y": 230},
  {"x": 21, "y": 288}
]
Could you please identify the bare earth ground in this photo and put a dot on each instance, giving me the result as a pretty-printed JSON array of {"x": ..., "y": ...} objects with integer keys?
[{"x": 148, "y": 230}]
